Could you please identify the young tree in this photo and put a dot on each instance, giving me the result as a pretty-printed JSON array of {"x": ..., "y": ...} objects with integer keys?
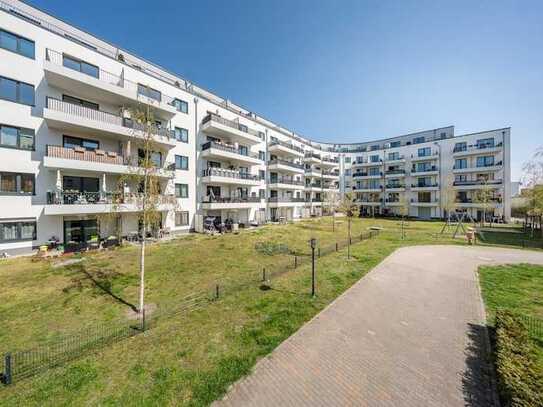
[
  {"x": 448, "y": 202},
  {"x": 403, "y": 211},
  {"x": 484, "y": 196},
  {"x": 533, "y": 179},
  {"x": 350, "y": 209},
  {"x": 331, "y": 202},
  {"x": 145, "y": 175}
]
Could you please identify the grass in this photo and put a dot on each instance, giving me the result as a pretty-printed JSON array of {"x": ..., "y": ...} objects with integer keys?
[
  {"x": 504, "y": 235},
  {"x": 516, "y": 287},
  {"x": 190, "y": 359}
]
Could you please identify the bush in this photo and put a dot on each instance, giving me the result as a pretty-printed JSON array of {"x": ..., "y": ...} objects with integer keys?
[{"x": 520, "y": 380}]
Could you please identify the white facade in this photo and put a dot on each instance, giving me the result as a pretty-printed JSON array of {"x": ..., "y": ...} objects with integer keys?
[{"x": 216, "y": 158}]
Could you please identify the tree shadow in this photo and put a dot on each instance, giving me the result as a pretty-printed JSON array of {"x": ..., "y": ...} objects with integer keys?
[
  {"x": 101, "y": 280},
  {"x": 478, "y": 381}
]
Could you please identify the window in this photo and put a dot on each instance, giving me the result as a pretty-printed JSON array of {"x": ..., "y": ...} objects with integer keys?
[
  {"x": 262, "y": 193},
  {"x": 422, "y": 167},
  {"x": 17, "y": 44},
  {"x": 16, "y": 91},
  {"x": 375, "y": 147},
  {"x": 374, "y": 171},
  {"x": 347, "y": 160},
  {"x": 393, "y": 156},
  {"x": 347, "y": 172},
  {"x": 80, "y": 102},
  {"x": 485, "y": 143},
  {"x": 72, "y": 142},
  {"x": 460, "y": 147},
  {"x": 243, "y": 150},
  {"x": 181, "y": 105},
  {"x": 80, "y": 66},
  {"x": 181, "y": 134},
  {"x": 149, "y": 92},
  {"x": 12, "y": 183},
  {"x": 262, "y": 155},
  {"x": 213, "y": 164},
  {"x": 14, "y": 137},
  {"x": 374, "y": 158},
  {"x": 181, "y": 162},
  {"x": 418, "y": 140},
  {"x": 395, "y": 144},
  {"x": 17, "y": 231},
  {"x": 486, "y": 161},
  {"x": 443, "y": 135},
  {"x": 181, "y": 190},
  {"x": 460, "y": 178},
  {"x": 155, "y": 158},
  {"x": 460, "y": 163},
  {"x": 359, "y": 159},
  {"x": 182, "y": 218},
  {"x": 425, "y": 152},
  {"x": 262, "y": 174}
]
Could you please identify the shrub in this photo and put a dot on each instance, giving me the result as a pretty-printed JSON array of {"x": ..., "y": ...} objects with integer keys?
[{"x": 520, "y": 380}]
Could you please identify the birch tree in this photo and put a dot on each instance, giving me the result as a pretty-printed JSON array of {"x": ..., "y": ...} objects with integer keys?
[{"x": 350, "y": 209}]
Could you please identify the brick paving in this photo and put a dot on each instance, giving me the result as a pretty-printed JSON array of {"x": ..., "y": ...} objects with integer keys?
[{"x": 410, "y": 333}]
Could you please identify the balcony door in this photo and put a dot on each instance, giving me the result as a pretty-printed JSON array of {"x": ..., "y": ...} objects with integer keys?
[
  {"x": 80, "y": 231},
  {"x": 74, "y": 187}
]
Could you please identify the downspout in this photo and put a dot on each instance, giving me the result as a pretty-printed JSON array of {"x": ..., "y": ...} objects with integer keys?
[
  {"x": 266, "y": 177},
  {"x": 197, "y": 191}
]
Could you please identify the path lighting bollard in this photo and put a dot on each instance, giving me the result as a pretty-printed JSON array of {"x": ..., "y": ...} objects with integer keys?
[{"x": 313, "y": 243}]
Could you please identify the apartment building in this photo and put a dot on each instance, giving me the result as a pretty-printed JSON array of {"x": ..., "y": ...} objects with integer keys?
[{"x": 68, "y": 143}]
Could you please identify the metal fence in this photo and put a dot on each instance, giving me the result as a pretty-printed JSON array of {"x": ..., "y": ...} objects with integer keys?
[
  {"x": 26, "y": 363},
  {"x": 533, "y": 325}
]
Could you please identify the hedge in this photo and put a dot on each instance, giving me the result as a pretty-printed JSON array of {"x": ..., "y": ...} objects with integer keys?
[{"x": 520, "y": 379}]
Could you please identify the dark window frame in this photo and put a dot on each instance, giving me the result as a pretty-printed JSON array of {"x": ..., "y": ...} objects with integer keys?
[
  {"x": 179, "y": 103},
  {"x": 19, "y": 231},
  {"x": 18, "y": 184},
  {"x": 147, "y": 91},
  {"x": 18, "y": 39},
  {"x": 182, "y": 214},
  {"x": 64, "y": 136},
  {"x": 181, "y": 189},
  {"x": 19, "y": 138},
  {"x": 181, "y": 132},
  {"x": 80, "y": 62},
  {"x": 80, "y": 102},
  {"x": 180, "y": 167},
  {"x": 18, "y": 92}
]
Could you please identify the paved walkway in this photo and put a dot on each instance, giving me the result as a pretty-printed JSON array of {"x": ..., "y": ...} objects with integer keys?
[{"x": 411, "y": 333}]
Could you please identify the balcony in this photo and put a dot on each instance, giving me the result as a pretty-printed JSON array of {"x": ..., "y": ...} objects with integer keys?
[
  {"x": 395, "y": 187},
  {"x": 330, "y": 175},
  {"x": 426, "y": 157},
  {"x": 229, "y": 202},
  {"x": 79, "y": 159},
  {"x": 395, "y": 173},
  {"x": 421, "y": 172},
  {"x": 315, "y": 201},
  {"x": 233, "y": 130},
  {"x": 285, "y": 183},
  {"x": 398, "y": 159},
  {"x": 369, "y": 202},
  {"x": 277, "y": 202},
  {"x": 394, "y": 202},
  {"x": 329, "y": 162},
  {"x": 313, "y": 173},
  {"x": 487, "y": 168},
  {"x": 368, "y": 189},
  {"x": 424, "y": 187},
  {"x": 68, "y": 116},
  {"x": 478, "y": 184},
  {"x": 312, "y": 158},
  {"x": 230, "y": 177},
  {"x": 105, "y": 86},
  {"x": 220, "y": 151},
  {"x": 477, "y": 149},
  {"x": 313, "y": 187},
  {"x": 472, "y": 203},
  {"x": 425, "y": 203},
  {"x": 366, "y": 163},
  {"x": 280, "y": 147},
  {"x": 285, "y": 166},
  {"x": 366, "y": 175},
  {"x": 81, "y": 202}
]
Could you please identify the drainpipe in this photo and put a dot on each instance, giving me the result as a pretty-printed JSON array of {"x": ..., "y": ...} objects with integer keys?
[
  {"x": 266, "y": 176},
  {"x": 440, "y": 181},
  {"x": 197, "y": 177}
]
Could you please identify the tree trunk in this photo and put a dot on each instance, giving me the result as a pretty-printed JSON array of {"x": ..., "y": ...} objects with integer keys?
[{"x": 333, "y": 221}]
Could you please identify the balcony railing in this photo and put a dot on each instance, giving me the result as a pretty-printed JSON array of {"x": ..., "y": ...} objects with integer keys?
[
  {"x": 312, "y": 155},
  {"x": 496, "y": 164},
  {"x": 97, "y": 156},
  {"x": 57, "y": 58},
  {"x": 330, "y": 160},
  {"x": 395, "y": 172},
  {"x": 286, "y": 145},
  {"x": 229, "y": 149},
  {"x": 332, "y": 173},
  {"x": 397, "y": 158},
  {"x": 212, "y": 117},
  {"x": 285, "y": 180},
  {"x": 425, "y": 169},
  {"x": 287, "y": 163},
  {"x": 368, "y": 188},
  {"x": 426, "y": 185},
  {"x": 395, "y": 186},
  {"x": 378, "y": 162},
  {"x": 459, "y": 149},
  {"x": 314, "y": 186},
  {"x": 474, "y": 201},
  {"x": 104, "y": 117},
  {"x": 286, "y": 199},
  {"x": 101, "y": 197},
  {"x": 431, "y": 155},
  {"x": 218, "y": 172},
  {"x": 413, "y": 200},
  {"x": 365, "y": 174},
  {"x": 478, "y": 182},
  {"x": 231, "y": 199}
]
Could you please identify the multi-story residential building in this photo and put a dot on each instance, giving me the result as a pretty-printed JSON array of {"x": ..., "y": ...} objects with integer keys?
[{"x": 67, "y": 142}]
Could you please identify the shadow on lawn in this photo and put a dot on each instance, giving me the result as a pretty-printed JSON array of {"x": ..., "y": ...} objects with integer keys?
[
  {"x": 100, "y": 280},
  {"x": 477, "y": 381}
]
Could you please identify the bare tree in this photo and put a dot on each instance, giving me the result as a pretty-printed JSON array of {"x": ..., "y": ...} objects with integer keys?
[
  {"x": 533, "y": 179},
  {"x": 484, "y": 196},
  {"x": 331, "y": 203},
  {"x": 350, "y": 209},
  {"x": 403, "y": 211},
  {"x": 448, "y": 202}
]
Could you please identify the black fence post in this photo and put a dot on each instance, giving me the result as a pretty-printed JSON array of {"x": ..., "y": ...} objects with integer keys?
[
  {"x": 313, "y": 243},
  {"x": 143, "y": 319},
  {"x": 7, "y": 369},
  {"x": 217, "y": 292},
  {"x": 336, "y": 247},
  {"x": 263, "y": 273},
  {"x": 295, "y": 261},
  {"x": 319, "y": 252}
]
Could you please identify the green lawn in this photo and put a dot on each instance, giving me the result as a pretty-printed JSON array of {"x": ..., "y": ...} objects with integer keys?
[{"x": 189, "y": 359}]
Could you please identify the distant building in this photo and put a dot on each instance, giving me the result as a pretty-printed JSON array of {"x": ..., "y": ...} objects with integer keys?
[{"x": 515, "y": 188}]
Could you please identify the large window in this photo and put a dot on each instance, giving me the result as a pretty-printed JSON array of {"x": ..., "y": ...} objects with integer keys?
[
  {"x": 80, "y": 102},
  {"x": 425, "y": 152},
  {"x": 460, "y": 163},
  {"x": 181, "y": 105},
  {"x": 181, "y": 162},
  {"x": 80, "y": 231},
  {"x": 485, "y": 143},
  {"x": 80, "y": 66},
  {"x": 149, "y": 92},
  {"x": 182, "y": 218},
  {"x": 418, "y": 140},
  {"x": 374, "y": 158},
  {"x": 182, "y": 134},
  {"x": 14, "y": 231},
  {"x": 395, "y": 144},
  {"x": 462, "y": 146},
  {"x": 17, "y": 44},
  {"x": 155, "y": 158},
  {"x": 181, "y": 190},
  {"x": 486, "y": 161},
  {"x": 16, "y": 91},
  {"x": 12, "y": 183},
  {"x": 72, "y": 142},
  {"x": 15, "y": 137}
]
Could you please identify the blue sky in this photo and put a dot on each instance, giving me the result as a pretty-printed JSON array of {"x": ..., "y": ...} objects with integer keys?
[{"x": 346, "y": 71}]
